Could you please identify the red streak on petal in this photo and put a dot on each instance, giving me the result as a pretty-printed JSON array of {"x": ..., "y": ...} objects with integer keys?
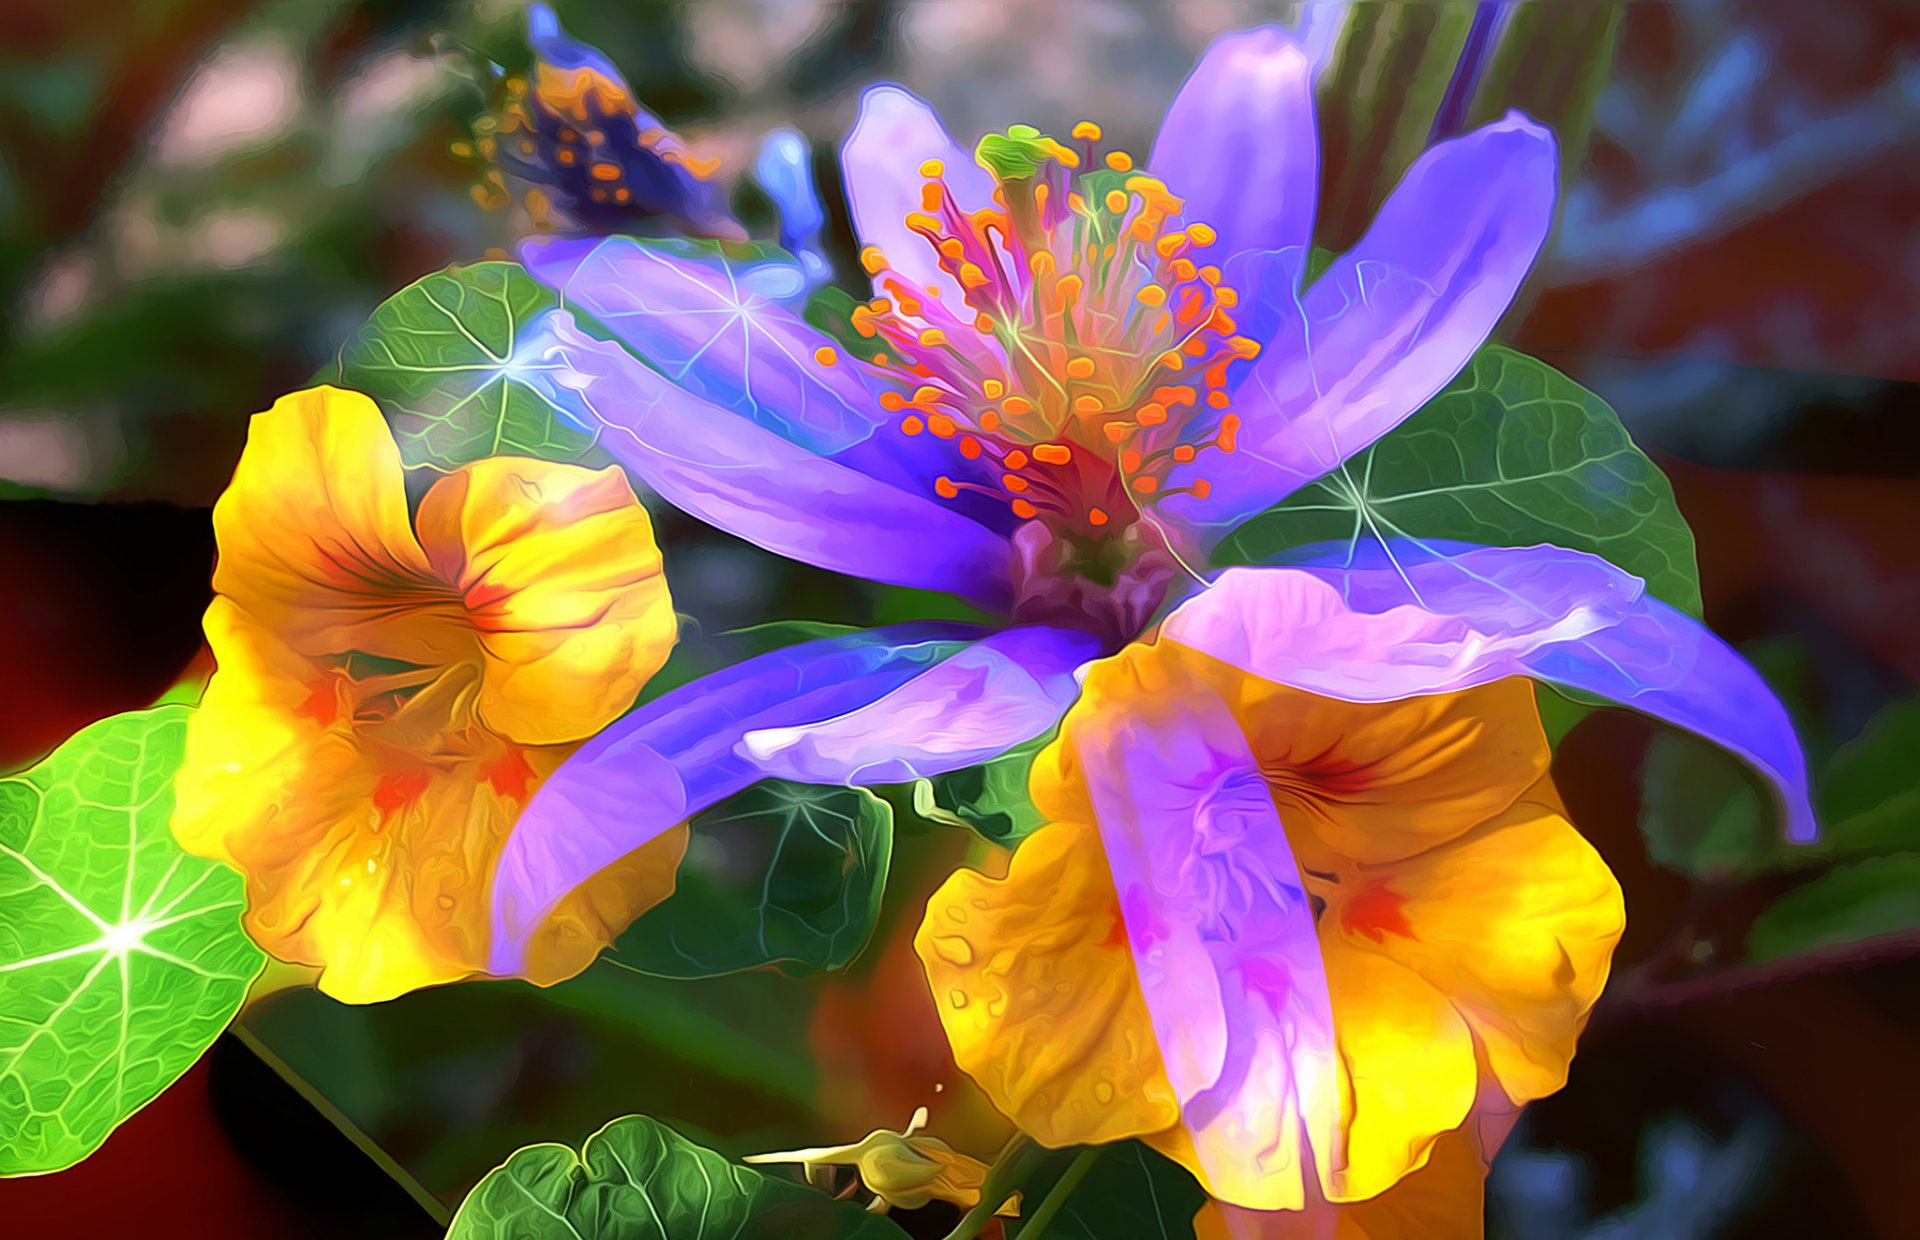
[
  {"x": 396, "y": 790},
  {"x": 1376, "y": 911},
  {"x": 512, "y": 776},
  {"x": 322, "y": 704}
]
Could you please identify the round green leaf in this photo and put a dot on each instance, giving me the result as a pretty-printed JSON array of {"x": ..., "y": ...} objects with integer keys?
[
  {"x": 121, "y": 956},
  {"x": 1871, "y": 801},
  {"x": 637, "y": 1179},
  {"x": 1512, "y": 453},
  {"x": 783, "y": 875},
  {"x": 1861, "y": 900},
  {"x": 440, "y": 357},
  {"x": 991, "y": 798},
  {"x": 1128, "y": 1191}
]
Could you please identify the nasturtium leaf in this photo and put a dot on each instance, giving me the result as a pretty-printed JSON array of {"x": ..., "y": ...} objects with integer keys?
[
  {"x": 441, "y": 357},
  {"x": 1128, "y": 1191},
  {"x": 783, "y": 875},
  {"x": 1870, "y": 800},
  {"x": 637, "y": 1179},
  {"x": 1513, "y": 453},
  {"x": 121, "y": 956},
  {"x": 1701, "y": 812},
  {"x": 991, "y": 798},
  {"x": 1849, "y": 903}
]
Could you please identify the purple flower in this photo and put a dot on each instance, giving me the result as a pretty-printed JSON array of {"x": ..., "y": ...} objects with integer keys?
[{"x": 1080, "y": 376}]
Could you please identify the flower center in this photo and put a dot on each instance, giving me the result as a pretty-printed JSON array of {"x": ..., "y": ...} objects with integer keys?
[{"x": 1091, "y": 354}]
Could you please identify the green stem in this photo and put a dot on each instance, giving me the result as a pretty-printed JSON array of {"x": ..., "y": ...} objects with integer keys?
[
  {"x": 1001, "y": 1178},
  {"x": 1057, "y": 1195}
]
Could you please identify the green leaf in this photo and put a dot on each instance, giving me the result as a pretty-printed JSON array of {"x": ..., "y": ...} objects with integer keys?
[
  {"x": 121, "y": 956},
  {"x": 783, "y": 875},
  {"x": 1511, "y": 454},
  {"x": 990, "y": 798},
  {"x": 777, "y": 635},
  {"x": 439, "y": 356},
  {"x": 1129, "y": 1191},
  {"x": 637, "y": 1179},
  {"x": 1860, "y": 900},
  {"x": 1702, "y": 814},
  {"x": 1871, "y": 800}
]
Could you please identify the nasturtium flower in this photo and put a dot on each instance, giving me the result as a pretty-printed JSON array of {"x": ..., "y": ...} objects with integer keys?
[
  {"x": 389, "y": 691},
  {"x": 1077, "y": 374},
  {"x": 593, "y": 159},
  {"x": 1290, "y": 941},
  {"x": 903, "y": 1170}
]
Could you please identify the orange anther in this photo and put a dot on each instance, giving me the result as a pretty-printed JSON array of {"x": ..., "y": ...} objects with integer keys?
[
  {"x": 1151, "y": 295},
  {"x": 1183, "y": 453},
  {"x": 1013, "y": 482},
  {"x": 1147, "y": 485},
  {"x": 1201, "y": 234},
  {"x": 912, "y": 425},
  {"x": 970, "y": 448},
  {"x": 1129, "y": 460},
  {"x": 989, "y": 421},
  {"x": 1152, "y": 414},
  {"x": 605, "y": 172},
  {"x": 1086, "y": 406},
  {"x": 825, "y": 355},
  {"x": 1018, "y": 406},
  {"x": 1015, "y": 459},
  {"x": 1024, "y": 510},
  {"x": 873, "y": 260},
  {"x": 933, "y": 338},
  {"x": 944, "y": 488},
  {"x": 1053, "y": 453},
  {"x": 1116, "y": 431},
  {"x": 932, "y": 168},
  {"x": 1119, "y": 161},
  {"x": 942, "y": 426},
  {"x": 950, "y": 247},
  {"x": 926, "y": 394},
  {"x": 1080, "y": 368},
  {"x": 1087, "y": 131},
  {"x": 1117, "y": 201},
  {"x": 1201, "y": 488},
  {"x": 893, "y": 402},
  {"x": 1097, "y": 516},
  {"x": 1218, "y": 400},
  {"x": 993, "y": 389}
]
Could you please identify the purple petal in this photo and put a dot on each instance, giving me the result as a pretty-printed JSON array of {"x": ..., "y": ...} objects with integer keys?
[
  {"x": 1405, "y": 621},
  {"x": 1222, "y": 936},
  {"x": 880, "y": 161},
  {"x": 681, "y": 753},
  {"x": 753, "y": 483},
  {"x": 1238, "y": 144},
  {"x": 1390, "y": 323},
  {"x": 1008, "y": 688},
  {"x": 718, "y": 335}
]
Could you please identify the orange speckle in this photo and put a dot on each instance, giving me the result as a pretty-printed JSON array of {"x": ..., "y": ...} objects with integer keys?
[
  {"x": 322, "y": 704},
  {"x": 565, "y": 156},
  {"x": 825, "y": 355}
]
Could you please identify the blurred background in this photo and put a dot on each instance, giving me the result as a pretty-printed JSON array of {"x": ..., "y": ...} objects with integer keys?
[{"x": 200, "y": 200}]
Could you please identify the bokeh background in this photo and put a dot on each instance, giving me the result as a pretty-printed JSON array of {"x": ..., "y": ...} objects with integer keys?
[{"x": 200, "y": 200}]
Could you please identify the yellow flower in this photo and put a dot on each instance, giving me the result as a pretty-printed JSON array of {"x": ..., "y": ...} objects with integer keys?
[
  {"x": 389, "y": 693},
  {"x": 1460, "y": 927},
  {"x": 902, "y": 1170}
]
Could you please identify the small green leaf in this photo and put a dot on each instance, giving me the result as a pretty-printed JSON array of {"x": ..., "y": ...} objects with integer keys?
[
  {"x": 765, "y": 638},
  {"x": 1129, "y": 1191},
  {"x": 1511, "y": 454},
  {"x": 1701, "y": 813},
  {"x": 1860, "y": 900},
  {"x": 121, "y": 956},
  {"x": 637, "y": 1179},
  {"x": 783, "y": 875},
  {"x": 990, "y": 798},
  {"x": 1871, "y": 801},
  {"x": 439, "y": 356}
]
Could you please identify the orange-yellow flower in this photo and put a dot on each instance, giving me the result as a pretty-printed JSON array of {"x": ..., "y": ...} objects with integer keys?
[
  {"x": 389, "y": 692},
  {"x": 1305, "y": 947}
]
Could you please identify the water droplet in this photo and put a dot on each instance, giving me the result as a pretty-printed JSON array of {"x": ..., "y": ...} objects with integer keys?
[
  {"x": 957, "y": 997},
  {"x": 445, "y": 901},
  {"x": 1103, "y": 1091},
  {"x": 953, "y": 949}
]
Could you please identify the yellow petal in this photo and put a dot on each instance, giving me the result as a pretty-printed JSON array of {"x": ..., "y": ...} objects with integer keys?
[
  {"x": 1516, "y": 924},
  {"x": 313, "y": 532},
  {"x": 1406, "y": 1067},
  {"x": 1036, "y": 988},
  {"x": 1444, "y": 1200},
  {"x": 558, "y": 573}
]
